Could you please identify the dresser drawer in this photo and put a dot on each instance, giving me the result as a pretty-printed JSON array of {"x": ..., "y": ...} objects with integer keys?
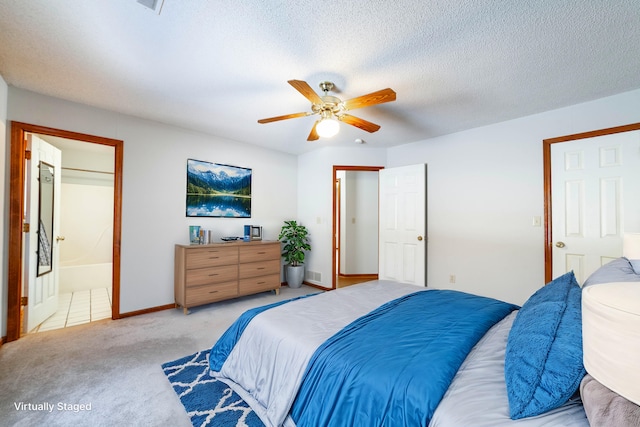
[
  {"x": 253, "y": 269},
  {"x": 259, "y": 284},
  {"x": 210, "y": 293},
  {"x": 204, "y": 276},
  {"x": 209, "y": 257},
  {"x": 261, "y": 252},
  {"x": 211, "y": 273}
]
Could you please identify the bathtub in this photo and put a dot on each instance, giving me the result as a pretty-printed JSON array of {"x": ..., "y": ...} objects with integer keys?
[{"x": 75, "y": 278}]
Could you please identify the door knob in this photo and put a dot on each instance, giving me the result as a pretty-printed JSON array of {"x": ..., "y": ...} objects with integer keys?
[
  {"x": 560, "y": 245},
  {"x": 420, "y": 238},
  {"x": 59, "y": 238}
]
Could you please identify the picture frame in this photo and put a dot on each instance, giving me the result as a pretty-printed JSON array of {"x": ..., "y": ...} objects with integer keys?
[
  {"x": 217, "y": 190},
  {"x": 194, "y": 234}
]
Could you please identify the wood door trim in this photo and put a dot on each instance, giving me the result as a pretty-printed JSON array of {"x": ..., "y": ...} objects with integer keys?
[
  {"x": 16, "y": 209},
  {"x": 546, "y": 156},
  {"x": 338, "y": 213},
  {"x": 336, "y": 168}
]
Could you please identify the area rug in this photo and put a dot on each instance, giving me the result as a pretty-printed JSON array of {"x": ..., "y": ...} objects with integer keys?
[{"x": 208, "y": 402}]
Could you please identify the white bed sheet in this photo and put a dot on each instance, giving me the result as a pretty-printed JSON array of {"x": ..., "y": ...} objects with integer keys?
[
  {"x": 271, "y": 348},
  {"x": 478, "y": 394}
]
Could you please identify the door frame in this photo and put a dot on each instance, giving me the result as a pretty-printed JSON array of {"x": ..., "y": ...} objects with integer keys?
[
  {"x": 16, "y": 209},
  {"x": 337, "y": 168},
  {"x": 546, "y": 155}
]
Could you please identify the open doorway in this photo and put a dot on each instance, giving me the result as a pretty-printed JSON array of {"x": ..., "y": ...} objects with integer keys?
[
  {"x": 84, "y": 236},
  {"x": 355, "y": 224},
  {"x": 19, "y": 193}
]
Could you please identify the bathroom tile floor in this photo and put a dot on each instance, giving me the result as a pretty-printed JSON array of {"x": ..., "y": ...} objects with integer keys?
[{"x": 76, "y": 308}]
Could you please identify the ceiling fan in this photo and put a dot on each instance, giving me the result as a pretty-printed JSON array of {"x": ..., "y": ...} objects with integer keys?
[{"x": 331, "y": 109}]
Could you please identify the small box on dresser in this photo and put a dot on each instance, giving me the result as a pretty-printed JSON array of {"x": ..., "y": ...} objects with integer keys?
[{"x": 220, "y": 271}]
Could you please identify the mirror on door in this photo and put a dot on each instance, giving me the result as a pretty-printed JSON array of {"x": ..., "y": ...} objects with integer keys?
[{"x": 45, "y": 218}]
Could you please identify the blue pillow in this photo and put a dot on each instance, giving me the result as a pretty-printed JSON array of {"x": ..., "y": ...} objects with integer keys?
[{"x": 543, "y": 360}]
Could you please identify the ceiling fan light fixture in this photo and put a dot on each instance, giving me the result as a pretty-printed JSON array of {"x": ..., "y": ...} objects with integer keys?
[
  {"x": 332, "y": 109},
  {"x": 328, "y": 127}
]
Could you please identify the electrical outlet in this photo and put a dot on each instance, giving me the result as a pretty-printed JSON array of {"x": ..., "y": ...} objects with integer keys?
[
  {"x": 537, "y": 221},
  {"x": 452, "y": 278}
]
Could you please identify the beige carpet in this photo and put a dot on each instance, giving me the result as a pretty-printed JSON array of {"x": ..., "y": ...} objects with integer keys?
[{"x": 108, "y": 373}]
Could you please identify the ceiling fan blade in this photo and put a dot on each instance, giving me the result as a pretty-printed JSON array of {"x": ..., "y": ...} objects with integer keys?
[
  {"x": 313, "y": 135},
  {"x": 379, "y": 97},
  {"x": 359, "y": 123},
  {"x": 304, "y": 88},
  {"x": 286, "y": 116}
]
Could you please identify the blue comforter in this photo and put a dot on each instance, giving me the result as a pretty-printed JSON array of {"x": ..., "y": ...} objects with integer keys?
[{"x": 401, "y": 358}]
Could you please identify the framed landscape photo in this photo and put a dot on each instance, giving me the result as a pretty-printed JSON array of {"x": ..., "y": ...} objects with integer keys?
[{"x": 215, "y": 190}]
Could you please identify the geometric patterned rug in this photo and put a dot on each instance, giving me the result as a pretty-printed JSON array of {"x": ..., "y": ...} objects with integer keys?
[{"x": 208, "y": 402}]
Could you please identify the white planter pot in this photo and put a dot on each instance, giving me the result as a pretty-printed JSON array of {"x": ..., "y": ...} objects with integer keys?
[{"x": 295, "y": 275}]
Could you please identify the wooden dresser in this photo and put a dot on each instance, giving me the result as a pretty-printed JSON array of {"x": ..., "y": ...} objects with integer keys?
[{"x": 220, "y": 271}]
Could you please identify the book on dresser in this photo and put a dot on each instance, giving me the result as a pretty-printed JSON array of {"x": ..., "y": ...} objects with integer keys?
[{"x": 220, "y": 271}]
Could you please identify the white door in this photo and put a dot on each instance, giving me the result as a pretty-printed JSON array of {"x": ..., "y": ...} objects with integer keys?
[
  {"x": 41, "y": 245},
  {"x": 595, "y": 186},
  {"x": 403, "y": 224}
]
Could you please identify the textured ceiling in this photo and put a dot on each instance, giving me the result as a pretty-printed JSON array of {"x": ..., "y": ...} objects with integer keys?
[{"x": 219, "y": 66}]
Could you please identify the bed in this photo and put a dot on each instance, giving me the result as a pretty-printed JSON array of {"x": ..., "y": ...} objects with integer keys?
[{"x": 389, "y": 354}]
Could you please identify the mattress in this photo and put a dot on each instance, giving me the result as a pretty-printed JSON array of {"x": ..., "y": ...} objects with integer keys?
[{"x": 611, "y": 336}]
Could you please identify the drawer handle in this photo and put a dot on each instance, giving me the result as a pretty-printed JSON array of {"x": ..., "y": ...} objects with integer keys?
[
  {"x": 261, "y": 283},
  {"x": 260, "y": 268},
  {"x": 213, "y": 274},
  {"x": 213, "y": 292},
  {"x": 214, "y": 257},
  {"x": 261, "y": 253}
]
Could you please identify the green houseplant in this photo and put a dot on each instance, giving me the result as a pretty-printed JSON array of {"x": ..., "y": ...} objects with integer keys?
[{"x": 295, "y": 240}]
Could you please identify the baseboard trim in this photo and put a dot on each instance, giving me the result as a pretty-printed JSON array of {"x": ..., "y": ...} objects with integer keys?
[
  {"x": 313, "y": 285},
  {"x": 368, "y": 276},
  {"x": 146, "y": 311}
]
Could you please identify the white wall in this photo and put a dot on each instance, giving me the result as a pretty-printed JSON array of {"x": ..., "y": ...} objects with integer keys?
[
  {"x": 154, "y": 183},
  {"x": 4, "y": 212},
  {"x": 86, "y": 210},
  {"x": 315, "y": 193},
  {"x": 360, "y": 224},
  {"x": 485, "y": 186},
  {"x": 341, "y": 175},
  {"x": 86, "y": 222}
]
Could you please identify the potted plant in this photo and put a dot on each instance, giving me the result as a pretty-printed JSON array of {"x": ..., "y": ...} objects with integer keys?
[{"x": 295, "y": 238}]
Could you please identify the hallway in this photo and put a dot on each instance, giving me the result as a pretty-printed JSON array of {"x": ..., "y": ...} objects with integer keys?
[{"x": 344, "y": 281}]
